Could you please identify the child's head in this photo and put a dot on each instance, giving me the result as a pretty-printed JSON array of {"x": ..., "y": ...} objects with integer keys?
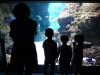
[
  {"x": 79, "y": 38},
  {"x": 49, "y": 32},
  {"x": 21, "y": 10},
  {"x": 64, "y": 39}
]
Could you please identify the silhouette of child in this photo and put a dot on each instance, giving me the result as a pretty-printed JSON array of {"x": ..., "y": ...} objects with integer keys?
[
  {"x": 22, "y": 32},
  {"x": 78, "y": 53},
  {"x": 65, "y": 53},
  {"x": 50, "y": 51}
]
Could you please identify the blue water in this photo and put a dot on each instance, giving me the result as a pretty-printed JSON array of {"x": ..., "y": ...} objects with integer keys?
[{"x": 54, "y": 9}]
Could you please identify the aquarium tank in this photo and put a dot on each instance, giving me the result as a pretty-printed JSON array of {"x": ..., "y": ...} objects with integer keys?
[{"x": 64, "y": 17}]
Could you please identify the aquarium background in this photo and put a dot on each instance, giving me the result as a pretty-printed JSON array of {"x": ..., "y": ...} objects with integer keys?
[{"x": 64, "y": 18}]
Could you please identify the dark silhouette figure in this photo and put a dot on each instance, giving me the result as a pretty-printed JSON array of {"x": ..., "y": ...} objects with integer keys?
[
  {"x": 65, "y": 53},
  {"x": 23, "y": 29},
  {"x": 50, "y": 52},
  {"x": 77, "y": 53}
]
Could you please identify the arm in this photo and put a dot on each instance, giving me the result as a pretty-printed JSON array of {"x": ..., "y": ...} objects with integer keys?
[
  {"x": 70, "y": 52},
  {"x": 74, "y": 45},
  {"x": 58, "y": 52},
  {"x": 11, "y": 33},
  {"x": 35, "y": 28}
]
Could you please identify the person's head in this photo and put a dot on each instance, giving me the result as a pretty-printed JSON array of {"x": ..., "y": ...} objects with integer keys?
[
  {"x": 49, "y": 32},
  {"x": 79, "y": 38},
  {"x": 21, "y": 10},
  {"x": 64, "y": 39}
]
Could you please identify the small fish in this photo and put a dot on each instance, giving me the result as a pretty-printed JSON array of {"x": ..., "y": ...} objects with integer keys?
[
  {"x": 54, "y": 19},
  {"x": 39, "y": 17},
  {"x": 67, "y": 26},
  {"x": 46, "y": 16}
]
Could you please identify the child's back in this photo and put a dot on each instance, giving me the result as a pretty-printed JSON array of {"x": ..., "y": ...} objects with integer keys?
[
  {"x": 50, "y": 46},
  {"x": 65, "y": 53},
  {"x": 50, "y": 51},
  {"x": 78, "y": 53}
]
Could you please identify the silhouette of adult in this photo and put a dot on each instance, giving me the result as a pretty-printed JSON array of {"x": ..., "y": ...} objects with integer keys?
[
  {"x": 23, "y": 29},
  {"x": 77, "y": 53},
  {"x": 65, "y": 53},
  {"x": 50, "y": 51}
]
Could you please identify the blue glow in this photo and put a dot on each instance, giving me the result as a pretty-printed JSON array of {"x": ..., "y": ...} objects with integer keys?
[
  {"x": 54, "y": 10},
  {"x": 13, "y": 18}
]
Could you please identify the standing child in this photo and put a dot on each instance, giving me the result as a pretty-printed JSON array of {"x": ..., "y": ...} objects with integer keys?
[
  {"x": 50, "y": 51},
  {"x": 77, "y": 53},
  {"x": 65, "y": 53}
]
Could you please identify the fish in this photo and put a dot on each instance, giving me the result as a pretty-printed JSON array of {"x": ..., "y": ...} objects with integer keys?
[
  {"x": 53, "y": 19},
  {"x": 67, "y": 26},
  {"x": 46, "y": 16},
  {"x": 39, "y": 17}
]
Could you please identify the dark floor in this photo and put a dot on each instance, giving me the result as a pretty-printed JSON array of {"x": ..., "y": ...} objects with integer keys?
[
  {"x": 86, "y": 70},
  {"x": 2, "y": 73},
  {"x": 32, "y": 74}
]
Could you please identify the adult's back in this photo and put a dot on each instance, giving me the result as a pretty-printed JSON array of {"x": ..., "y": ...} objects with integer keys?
[{"x": 22, "y": 31}]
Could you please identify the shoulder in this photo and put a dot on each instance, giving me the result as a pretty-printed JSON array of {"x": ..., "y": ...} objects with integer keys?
[
  {"x": 68, "y": 46},
  {"x": 31, "y": 20},
  {"x": 12, "y": 23},
  {"x": 53, "y": 41},
  {"x": 45, "y": 41},
  {"x": 33, "y": 23},
  {"x": 59, "y": 47}
]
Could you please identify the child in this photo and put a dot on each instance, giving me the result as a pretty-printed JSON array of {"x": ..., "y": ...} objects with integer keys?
[
  {"x": 78, "y": 53},
  {"x": 65, "y": 53},
  {"x": 50, "y": 51}
]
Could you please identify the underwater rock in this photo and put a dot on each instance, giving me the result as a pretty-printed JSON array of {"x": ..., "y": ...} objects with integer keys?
[{"x": 86, "y": 20}]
